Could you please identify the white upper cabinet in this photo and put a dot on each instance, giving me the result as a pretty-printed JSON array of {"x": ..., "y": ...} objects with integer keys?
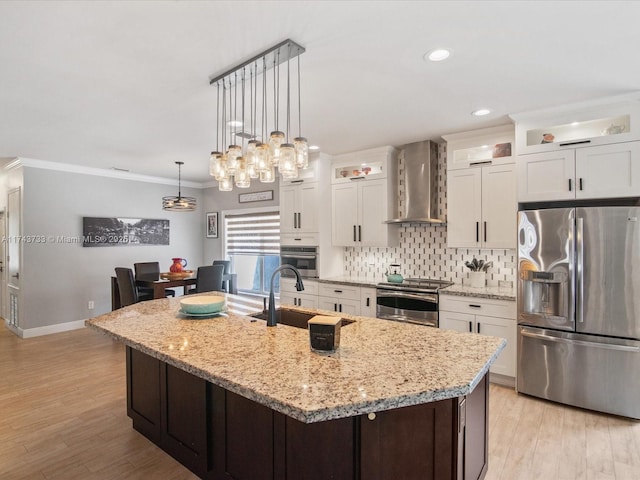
[
  {"x": 584, "y": 151},
  {"x": 487, "y": 146},
  {"x": 298, "y": 207},
  {"x": 576, "y": 126},
  {"x": 363, "y": 197},
  {"x": 481, "y": 189}
]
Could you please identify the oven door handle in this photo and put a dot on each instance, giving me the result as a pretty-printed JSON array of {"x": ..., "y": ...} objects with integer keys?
[
  {"x": 300, "y": 256},
  {"x": 415, "y": 296}
]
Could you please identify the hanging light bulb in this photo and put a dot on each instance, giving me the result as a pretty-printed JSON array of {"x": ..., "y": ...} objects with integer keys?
[
  {"x": 251, "y": 158},
  {"x": 225, "y": 184},
  {"x": 221, "y": 171},
  {"x": 214, "y": 163},
  {"x": 269, "y": 175},
  {"x": 241, "y": 175},
  {"x": 276, "y": 139},
  {"x": 288, "y": 168},
  {"x": 233, "y": 154},
  {"x": 262, "y": 158},
  {"x": 302, "y": 152}
]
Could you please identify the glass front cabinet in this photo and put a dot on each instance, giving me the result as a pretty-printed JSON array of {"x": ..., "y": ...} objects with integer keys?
[{"x": 585, "y": 151}]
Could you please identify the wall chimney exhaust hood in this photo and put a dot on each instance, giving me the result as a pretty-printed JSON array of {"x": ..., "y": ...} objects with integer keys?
[{"x": 420, "y": 197}]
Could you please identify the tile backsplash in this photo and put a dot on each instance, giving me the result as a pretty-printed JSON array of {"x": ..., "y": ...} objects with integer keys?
[{"x": 422, "y": 250}]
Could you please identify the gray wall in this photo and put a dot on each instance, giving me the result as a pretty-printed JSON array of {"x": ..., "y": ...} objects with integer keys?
[
  {"x": 216, "y": 201},
  {"x": 59, "y": 279}
]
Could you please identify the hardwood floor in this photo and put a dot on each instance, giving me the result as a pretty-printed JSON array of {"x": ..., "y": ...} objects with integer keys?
[{"x": 63, "y": 416}]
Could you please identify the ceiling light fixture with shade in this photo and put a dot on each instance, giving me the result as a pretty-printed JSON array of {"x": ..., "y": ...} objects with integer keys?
[
  {"x": 179, "y": 203},
  {"x": 249, "y": 153}
]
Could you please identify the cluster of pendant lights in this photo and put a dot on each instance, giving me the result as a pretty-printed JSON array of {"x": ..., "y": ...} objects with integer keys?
[{"x": 257, "y": 155}]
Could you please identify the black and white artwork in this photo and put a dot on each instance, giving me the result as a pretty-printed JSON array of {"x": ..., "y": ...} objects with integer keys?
[{"x": 112, "y": 231}]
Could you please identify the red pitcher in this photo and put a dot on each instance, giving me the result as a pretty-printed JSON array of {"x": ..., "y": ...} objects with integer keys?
[{"x": 178, "y": 265}]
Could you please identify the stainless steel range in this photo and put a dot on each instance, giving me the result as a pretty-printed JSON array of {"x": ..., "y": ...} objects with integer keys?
[{"x": 415, "y": 300}]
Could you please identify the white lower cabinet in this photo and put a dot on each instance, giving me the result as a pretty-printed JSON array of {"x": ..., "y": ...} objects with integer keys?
[
  {"x": 334, "y": 297},
  {"x": 496, "y": 318},
  {"x": 368, "y": 302},
  {"x": 339, "y": 298},
  {"x": 307, "y": 298}
]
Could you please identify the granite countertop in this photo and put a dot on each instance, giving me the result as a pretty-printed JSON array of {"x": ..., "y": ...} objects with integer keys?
[
  {"x": 380, "y": 364},
  {"x": 349, "y": 280},
  {"x": 496, "y": 293}
]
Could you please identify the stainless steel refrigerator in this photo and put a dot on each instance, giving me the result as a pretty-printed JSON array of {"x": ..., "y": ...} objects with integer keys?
[{"x": 579, "y": 307}]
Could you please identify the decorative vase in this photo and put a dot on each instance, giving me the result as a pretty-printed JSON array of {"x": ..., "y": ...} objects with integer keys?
[
  {"x": 477, "y": 279},
  {"x": 178, "y": 265}
]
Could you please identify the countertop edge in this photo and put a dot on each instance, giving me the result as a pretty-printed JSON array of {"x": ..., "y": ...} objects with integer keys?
[{"x": 309, "y": 416}]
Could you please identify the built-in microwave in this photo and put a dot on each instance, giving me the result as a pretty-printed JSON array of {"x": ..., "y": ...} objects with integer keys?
[{"x": 304, "y": 259}]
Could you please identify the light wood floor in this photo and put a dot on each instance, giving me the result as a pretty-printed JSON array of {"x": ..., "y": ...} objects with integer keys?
[{"x": 63, "y": 416}]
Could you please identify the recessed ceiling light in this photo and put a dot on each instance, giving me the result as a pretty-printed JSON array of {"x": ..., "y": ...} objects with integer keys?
[
  {"x": 575, "y": 124},
  {"x": 314, "y": 147},
  {"x": 437, "y": 55},
  {"x": 234, "y": 123},
  {"x": 481, "y": 112}
]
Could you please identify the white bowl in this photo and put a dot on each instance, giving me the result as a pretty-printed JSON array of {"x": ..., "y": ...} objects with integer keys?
[{"x": 203, "y": 304}]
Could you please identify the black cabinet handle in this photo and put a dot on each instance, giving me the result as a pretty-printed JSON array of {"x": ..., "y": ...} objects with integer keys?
[
  {"x": 340, "y": 307},
  {"x": 354, "y": 233},
  {"x": 471, "y": 326},
  {"x": 299, "y": 220},
  {"x": 359, "y": 233},
  {"x": 368, "y": 301},
  {"x": 335, "y": 307},
  {"x": 297, "y": 181},
  {"x": 475, "y": 306},
  {"x": 337, "y": 291},
  {"x": 477, "y": 232},
  {"x": 485, "y": 231},
  {"x": 570, "y": 185},
  {"x": 574, "y": 143},
  {"x": 478, "y": 327},
  {"x": 580, "y": 186},
  {"x": 295, "y": 220},
  {"x": 486, "y": 162}
]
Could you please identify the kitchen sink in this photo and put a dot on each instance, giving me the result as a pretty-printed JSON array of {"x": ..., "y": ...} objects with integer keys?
[{"x": 293, "y": 318}]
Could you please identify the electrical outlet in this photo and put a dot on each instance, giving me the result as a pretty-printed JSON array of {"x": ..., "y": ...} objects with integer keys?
[{"x": 90, "y": 305}]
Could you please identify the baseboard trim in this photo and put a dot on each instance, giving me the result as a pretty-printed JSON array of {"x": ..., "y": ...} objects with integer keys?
[
  {"x": 48, "y": 329},
  {"x": 502, "y": 380}
]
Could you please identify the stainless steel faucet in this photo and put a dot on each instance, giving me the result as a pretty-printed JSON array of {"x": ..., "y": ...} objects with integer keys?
[{"x": 271, "y": 318}]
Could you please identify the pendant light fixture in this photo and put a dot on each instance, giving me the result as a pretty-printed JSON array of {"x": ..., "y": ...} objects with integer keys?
[
  {"x": 257, "y": 155},
  {"x": 179, "y": 203}
]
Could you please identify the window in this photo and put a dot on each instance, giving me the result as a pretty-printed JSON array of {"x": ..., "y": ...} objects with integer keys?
[{"x": 252, "y": 242}]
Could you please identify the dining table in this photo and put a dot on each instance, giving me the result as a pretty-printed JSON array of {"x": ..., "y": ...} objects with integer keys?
[{"x": 159, "y": 284}]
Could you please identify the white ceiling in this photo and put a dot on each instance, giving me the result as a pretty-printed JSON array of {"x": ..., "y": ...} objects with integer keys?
[{"x": 125, "y": 84}]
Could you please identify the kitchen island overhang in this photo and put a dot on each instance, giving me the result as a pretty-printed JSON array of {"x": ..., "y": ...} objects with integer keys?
[{"x": 357, "y": 397}]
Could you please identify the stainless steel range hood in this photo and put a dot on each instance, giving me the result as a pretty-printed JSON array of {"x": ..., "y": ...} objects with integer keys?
[{"x": 420, "y": 198}]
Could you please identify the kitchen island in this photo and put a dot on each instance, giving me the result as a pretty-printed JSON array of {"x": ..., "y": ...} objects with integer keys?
[{"x": 231, "y": 398}]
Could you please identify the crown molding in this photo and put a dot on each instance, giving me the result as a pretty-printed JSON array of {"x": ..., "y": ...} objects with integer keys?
[{"x": 99, "y": 172}]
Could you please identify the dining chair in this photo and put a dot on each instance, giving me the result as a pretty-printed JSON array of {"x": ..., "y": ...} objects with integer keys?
[
  {"x": 227, "y": 271},
  {"x": 209, "y": 278},
  {"x": 150, "y": 270},
  {"x": 127, "y": 288}
]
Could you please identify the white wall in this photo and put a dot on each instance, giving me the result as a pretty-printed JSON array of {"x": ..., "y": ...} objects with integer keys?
[
  {"x": 58, "y": 279},
  {"x": 216, "y": 201}
]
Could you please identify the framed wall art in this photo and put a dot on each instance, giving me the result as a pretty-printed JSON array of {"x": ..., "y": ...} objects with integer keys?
[
  {"x": 112, "y": 231},
  {"x": 212, "y": 225}
]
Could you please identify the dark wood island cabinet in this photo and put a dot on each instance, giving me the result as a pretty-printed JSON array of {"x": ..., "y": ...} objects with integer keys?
[
  {"x": 233, "y": 399},
  {"x": 218, "y": 434}
]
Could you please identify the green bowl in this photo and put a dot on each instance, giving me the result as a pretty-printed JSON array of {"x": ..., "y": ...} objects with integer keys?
[{"x": 202, "y": 304}]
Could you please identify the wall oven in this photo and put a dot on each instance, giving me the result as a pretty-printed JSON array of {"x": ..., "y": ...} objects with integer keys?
[
  {"x": 304, "y": 259},
  {"x": 412, "y": 301}
]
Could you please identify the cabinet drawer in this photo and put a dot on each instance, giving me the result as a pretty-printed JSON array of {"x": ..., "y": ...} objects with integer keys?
[
  {"x": 289, "y": 285},
  {"x": 333, "y": 290},
  {"x": 299, "y": 239},
  {"x": 478, "y": 306}
]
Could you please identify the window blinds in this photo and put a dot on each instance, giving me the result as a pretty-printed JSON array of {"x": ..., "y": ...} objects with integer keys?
[{"x": 253, "y": 233}]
